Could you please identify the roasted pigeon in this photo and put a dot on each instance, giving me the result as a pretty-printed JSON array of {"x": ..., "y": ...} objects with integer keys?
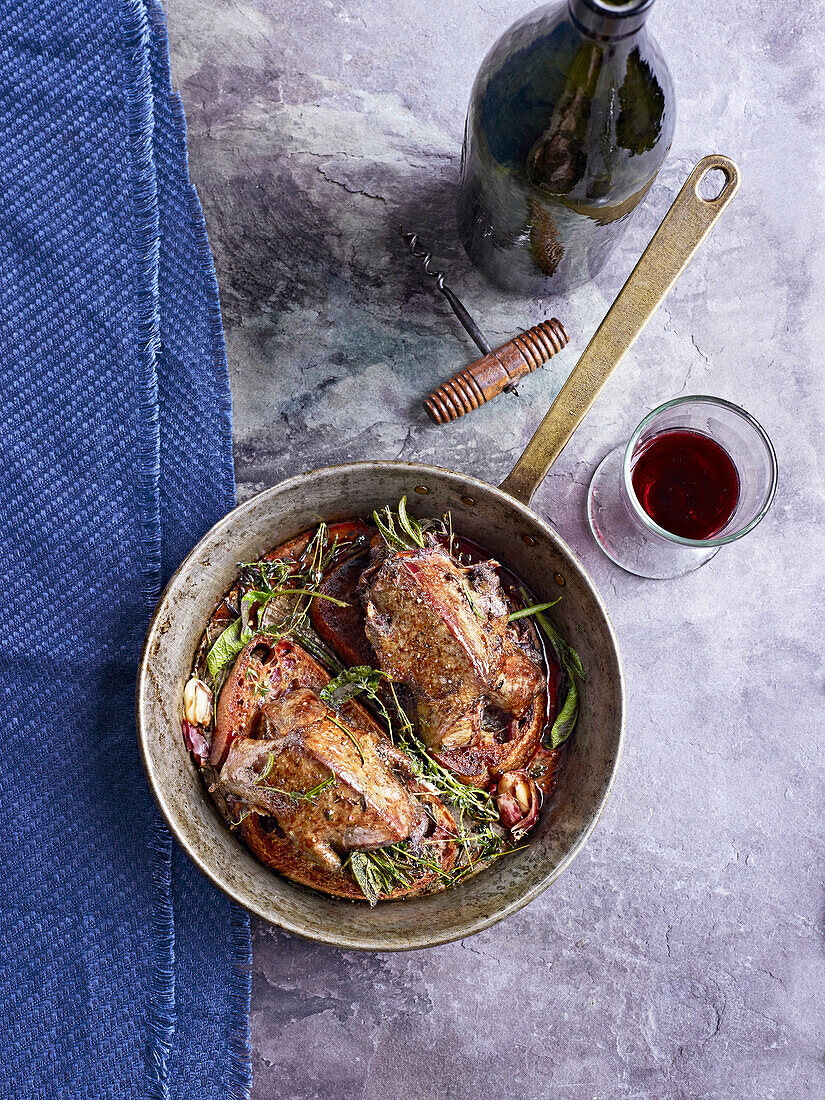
[
  {"x": 441, "y": 629},
  {"x": 311, "y": 784},
  {"x": 304, "y": 746}
]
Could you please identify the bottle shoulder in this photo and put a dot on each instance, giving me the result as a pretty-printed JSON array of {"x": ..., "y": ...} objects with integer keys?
[{"x": 573, "y": 117}]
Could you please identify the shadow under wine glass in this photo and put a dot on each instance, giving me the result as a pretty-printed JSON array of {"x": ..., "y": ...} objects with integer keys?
[{"x": 627, "y": 532}]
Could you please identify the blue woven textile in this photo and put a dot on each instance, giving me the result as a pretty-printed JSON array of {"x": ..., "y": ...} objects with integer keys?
[{"x": 124, "y": 974}]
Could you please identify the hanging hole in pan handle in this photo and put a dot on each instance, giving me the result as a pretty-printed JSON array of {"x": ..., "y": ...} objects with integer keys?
[{"x": 718, "y": 181}]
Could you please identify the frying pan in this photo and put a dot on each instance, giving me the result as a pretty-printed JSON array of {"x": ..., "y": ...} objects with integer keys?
[{"x": 502, "y": 521}]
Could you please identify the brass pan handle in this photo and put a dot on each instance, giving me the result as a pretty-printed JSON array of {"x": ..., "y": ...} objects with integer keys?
[{"x": 671, "y": 249}]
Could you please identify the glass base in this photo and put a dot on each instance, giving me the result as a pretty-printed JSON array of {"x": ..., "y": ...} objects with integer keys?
[{"x": 622, "y": 536}]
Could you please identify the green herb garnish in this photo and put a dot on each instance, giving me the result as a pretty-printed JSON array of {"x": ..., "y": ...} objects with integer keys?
[
  {"x": 225, "y": 649},
  {"x": 267, "y": 580},
  {"x": 525, "y": 611},
  {"x": 381, "y": 871},
  {"x": 294, "y": 796},
  {"x": 400, "y": 531},
  {"x": 243, "y": 817},
  {"x": 350, "y": 735},
  {"x": 310, "y": 795},
  {"x": 366, "y": 681},
  {"x": 570, "y": 661},
  {"x": 355, "y": 681},
  {"x": 267, "y": 769},
  {"x": 372, "y": 876},
  {"x": 469, "y": 801},
  {"x": 470, "y": 598}
]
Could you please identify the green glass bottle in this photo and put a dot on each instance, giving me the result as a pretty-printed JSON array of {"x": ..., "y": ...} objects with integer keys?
[{"x": 570, "y": 119}]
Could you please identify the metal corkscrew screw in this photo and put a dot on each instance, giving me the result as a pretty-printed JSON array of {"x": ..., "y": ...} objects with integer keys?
[{"x": 499, "y": 369}]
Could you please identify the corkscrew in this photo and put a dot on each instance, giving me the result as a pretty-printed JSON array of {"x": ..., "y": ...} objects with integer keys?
[{"x": 499, "y": 369}]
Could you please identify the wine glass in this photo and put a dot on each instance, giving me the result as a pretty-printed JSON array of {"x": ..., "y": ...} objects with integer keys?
[{"x": 697, "y": 473}]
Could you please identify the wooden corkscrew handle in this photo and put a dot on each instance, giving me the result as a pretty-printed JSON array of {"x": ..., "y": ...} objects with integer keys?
[{"x": 496, "y": 371}]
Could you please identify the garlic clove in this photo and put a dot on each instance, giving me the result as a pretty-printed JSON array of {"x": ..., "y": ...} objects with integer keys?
[
  {"x": 509, "y": 811},
  {"x": 522, "y": 795},
  {"x": 197, "y": 702},
  {"x": 519, "y": 802}
]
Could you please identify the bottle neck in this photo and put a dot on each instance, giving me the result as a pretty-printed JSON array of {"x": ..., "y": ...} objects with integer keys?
[{"x": 609, "y": 19}]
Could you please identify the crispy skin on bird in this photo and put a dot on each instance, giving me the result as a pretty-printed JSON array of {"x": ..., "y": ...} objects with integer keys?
[
  {"x": 270, "y": 701},
  {"x": 302, "y": 744},
  {"x": 442, "y": 629},
  {"x": 267, "y": 841}
]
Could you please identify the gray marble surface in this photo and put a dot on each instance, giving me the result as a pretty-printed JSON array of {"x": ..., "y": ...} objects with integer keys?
[{"x": 681, "y": 955}]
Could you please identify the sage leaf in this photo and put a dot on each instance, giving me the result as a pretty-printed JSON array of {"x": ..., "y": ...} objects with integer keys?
[
  {"x": 565, "y": 654},
  {"x": 225, "y": 649},
  {"x": 565, "y": 723},
  {"x": 361, "y": 871},
  {"x": 570, "y": 661}
]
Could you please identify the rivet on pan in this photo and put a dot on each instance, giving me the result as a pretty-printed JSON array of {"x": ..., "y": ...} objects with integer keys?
[
  {"x": 469, "y": 501},
  {"x": 559, "y": 579},
  {"x": 528, "y": 540},
  {"x": 421, "y": 489}
]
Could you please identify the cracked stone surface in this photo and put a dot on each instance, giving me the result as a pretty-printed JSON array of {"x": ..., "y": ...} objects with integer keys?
[{"x": 680, "y": 956}]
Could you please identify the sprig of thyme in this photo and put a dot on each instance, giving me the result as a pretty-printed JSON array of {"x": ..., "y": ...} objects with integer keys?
[
  {"x": 262, "y": 582},
  {"x": 382, "y": 870},
  {"x": 294, "y": 796},
  {"x": 345, "y": 729}
]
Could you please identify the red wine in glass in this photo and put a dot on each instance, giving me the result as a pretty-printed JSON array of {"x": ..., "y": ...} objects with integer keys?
[{"x": 686, "y": 482}]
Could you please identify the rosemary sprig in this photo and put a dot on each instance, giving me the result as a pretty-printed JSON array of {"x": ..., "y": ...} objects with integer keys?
[
  {"x": 266, "y": 574},
  {"x": 317, "y": 557},
  {"x": 525, "y": 611},
  {"x": 400, "y": 531},
  {"x": 410, "y": 527}
]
